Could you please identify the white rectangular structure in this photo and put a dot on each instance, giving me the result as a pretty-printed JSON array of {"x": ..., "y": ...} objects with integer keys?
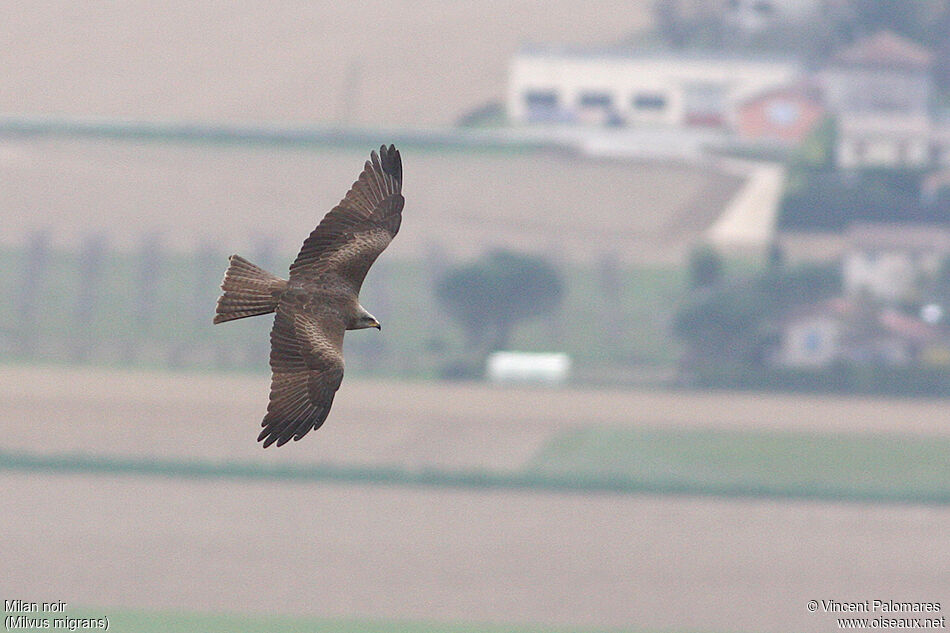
[
  {"x": 621, "y": 87},
  {"x": 891, "y": 141},
  {"x": 893, "y": 262},
  {"x": 528, "y": 367}
]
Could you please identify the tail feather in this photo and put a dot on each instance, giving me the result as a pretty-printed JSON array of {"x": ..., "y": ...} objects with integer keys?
[{"x": 248, "y": 291}]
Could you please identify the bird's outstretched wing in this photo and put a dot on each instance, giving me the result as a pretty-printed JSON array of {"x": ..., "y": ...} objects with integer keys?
[
  {"x": 306, "y": 359},
  {"x": 353, "y": 234}
]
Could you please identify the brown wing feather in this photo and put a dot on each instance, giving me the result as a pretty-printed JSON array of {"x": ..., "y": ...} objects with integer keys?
[
  {"x": 307, "y": 369},
  {"x": 353, "y": 234}
]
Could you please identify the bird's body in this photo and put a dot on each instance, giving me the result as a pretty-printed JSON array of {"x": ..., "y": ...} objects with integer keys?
[{"x": 320, "y": 300}]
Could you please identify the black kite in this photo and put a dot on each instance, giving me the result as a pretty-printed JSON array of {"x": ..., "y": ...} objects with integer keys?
[{"x": 320, "y": 300}]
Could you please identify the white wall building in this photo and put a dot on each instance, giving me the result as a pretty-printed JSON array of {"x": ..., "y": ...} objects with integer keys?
[
  {"x": 880, "y": 88},
  {"x": 881, "y": 140},
  {"x": 869, "y": 140},
  {"x": 883, "y": 74},
  {"x": 528, "y": 367},
  {"x": 624, "y": 87},
  {"x": 811, "y": 340},
  {"x": 890, "y": 261}
]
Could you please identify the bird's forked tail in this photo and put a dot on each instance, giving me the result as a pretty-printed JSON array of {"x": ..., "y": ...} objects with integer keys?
[{"x": 248, "y": 291}]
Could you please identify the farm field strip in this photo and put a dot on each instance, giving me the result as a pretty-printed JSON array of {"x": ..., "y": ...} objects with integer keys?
[{"x": 479, "y": 436}]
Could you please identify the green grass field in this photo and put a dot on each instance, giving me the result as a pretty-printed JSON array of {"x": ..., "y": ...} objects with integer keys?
[
  {"x": 176, "y": 331},
  {"x": 134, "y": 621},
  {"x": 162, "y": 622},
  {"x": 874, "y": 468},
  {"x": 756, "y": 462}
]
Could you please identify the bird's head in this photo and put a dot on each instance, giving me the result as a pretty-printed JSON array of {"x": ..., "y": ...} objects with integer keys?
[{"x": 365, "y": 320}]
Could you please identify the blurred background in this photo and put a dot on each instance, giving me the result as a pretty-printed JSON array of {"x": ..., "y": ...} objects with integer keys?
[{"x": 665, "y": 343}]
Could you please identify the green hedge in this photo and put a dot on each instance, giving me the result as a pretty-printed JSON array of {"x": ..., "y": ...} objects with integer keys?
[{"x": 877, "y": 380}]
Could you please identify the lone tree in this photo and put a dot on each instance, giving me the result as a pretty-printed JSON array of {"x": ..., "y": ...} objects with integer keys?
[
  {"x": 705, "y": 267},
  {"x": 490, "y": 296}
]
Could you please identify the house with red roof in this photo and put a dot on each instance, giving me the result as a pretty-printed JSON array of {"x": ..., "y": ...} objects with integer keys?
[
  {"x": 785, "y": 114},
  {"x": 881, "y": 89}
]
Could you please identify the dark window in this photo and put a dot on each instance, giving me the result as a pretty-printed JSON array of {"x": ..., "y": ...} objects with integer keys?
[
  {"x": 541, "y": 99},
  {"x": 596, "y": 100},
  {"x": 649, "y": 102}
]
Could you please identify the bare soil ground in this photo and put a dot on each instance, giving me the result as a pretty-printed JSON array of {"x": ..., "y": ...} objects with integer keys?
[
  {"x": 167, "y": 415},
  {"x": 458, "y": 203},
  {"x": 310, "y": 548},
  {"x": 640, "y": 562},
  {"x": 364, "y": 63}
]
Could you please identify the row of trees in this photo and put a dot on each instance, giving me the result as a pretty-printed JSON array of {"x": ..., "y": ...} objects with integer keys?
[
  {"x": 99, "y": 304},
  {"x": 153, "y": 306}
]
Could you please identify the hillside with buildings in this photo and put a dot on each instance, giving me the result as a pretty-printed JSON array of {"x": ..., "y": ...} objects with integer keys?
[
  {"x": 612, "y": 150},
  {"x": 848, "y": 150}
]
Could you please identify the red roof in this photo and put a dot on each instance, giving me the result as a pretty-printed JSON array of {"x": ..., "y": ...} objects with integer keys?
[
  {"x": 908, "y": 327},
  {"x": 885, "y": 49},
  {"x": 803, "y": 90}
]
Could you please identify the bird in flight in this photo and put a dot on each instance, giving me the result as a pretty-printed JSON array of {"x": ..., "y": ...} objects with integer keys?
[{"x": 320, "y": 299}]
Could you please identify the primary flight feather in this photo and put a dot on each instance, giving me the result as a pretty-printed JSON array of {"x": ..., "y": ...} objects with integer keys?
[{"x": 320, "y": 299}]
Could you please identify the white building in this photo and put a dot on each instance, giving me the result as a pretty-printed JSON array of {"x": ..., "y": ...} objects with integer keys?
[
  {"x": 881, "y": 90},
  {"x": 883, "y": 74},
  {"x": 811, "y": 339},
  {"x": 622, "y": 87},
  {"x": 890, "y": 261},
  {"x": 883, "y": 140},
  {"x": 528, "y": 367}
]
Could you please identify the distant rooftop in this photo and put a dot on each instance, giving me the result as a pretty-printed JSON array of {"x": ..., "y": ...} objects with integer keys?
[
  {"x": 885, "y": 49},
  {"x": 885, "y": 124},
  {"x": 802, "y": 89},
  {"x": 631, "y": 52}
]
